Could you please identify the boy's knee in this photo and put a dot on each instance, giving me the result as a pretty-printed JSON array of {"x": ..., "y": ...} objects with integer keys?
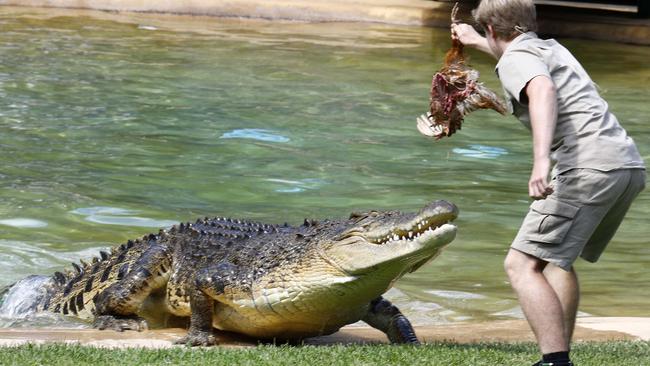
[
  {"x": 517, "y": 264},
  {"x": 510, "y": 265},
  {"x": 512, "y": 260}
]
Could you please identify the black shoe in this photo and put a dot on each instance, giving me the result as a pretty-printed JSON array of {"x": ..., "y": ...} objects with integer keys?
[{"x": 541, "y": 363}]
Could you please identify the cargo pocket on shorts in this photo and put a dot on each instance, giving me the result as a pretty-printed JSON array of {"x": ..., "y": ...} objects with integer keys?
[{"x": 551, "y": 221}]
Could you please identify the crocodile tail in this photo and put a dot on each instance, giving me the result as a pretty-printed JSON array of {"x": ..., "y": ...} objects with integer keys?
[{"x": 77, "y": 286}]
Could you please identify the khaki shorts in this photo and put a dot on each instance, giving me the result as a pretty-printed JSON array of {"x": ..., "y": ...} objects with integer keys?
[{"x": 580, "y": 217}]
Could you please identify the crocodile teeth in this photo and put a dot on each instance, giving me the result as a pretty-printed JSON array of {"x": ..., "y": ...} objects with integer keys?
[{"x": 417, "y": 230}]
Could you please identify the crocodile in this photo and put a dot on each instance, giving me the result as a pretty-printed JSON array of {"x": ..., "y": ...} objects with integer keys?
[{"x": 261, "y": 280}]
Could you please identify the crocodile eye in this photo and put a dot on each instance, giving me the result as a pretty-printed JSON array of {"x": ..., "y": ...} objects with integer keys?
[{"x": 357, "y": 216}]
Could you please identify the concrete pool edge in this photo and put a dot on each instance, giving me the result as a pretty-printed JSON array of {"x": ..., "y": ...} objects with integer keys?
[{"x": 589, "y": 329}]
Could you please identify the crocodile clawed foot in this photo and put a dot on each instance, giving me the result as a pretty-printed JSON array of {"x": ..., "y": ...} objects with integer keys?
[
  {"x": 198, "y": 338},
  {"x": 120, "y": 324}
]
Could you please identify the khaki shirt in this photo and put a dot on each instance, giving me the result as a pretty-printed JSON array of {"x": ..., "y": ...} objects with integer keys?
[{"x": 587, "y": 135}]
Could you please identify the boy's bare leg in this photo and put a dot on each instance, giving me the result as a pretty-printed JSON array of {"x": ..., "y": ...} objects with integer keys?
[
  {"x": 538, "y": 300},
  {"x": 565, "y": 284}
]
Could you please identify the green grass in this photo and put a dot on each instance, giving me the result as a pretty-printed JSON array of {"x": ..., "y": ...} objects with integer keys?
[{"x": 620, "y": 353}]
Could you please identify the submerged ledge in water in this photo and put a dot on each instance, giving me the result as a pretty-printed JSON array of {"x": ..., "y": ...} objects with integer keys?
[
  {"x": 403, "y": 12},
  {"x": 556, "y": 21},
  {"x": 512, "y": 331}
]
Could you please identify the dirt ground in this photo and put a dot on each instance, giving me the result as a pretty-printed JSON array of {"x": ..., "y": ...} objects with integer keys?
[{"x": 588, "y": 329}]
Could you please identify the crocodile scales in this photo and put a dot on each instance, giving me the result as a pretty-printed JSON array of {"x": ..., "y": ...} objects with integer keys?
[{"x": 264, "y": 281}]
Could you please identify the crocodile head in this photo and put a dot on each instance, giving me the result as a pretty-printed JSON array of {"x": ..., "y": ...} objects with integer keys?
[{"x": 392, "y": 242}]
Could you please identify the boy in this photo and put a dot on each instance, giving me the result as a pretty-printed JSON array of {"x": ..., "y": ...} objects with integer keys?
[{"x": 597, "y": 169}]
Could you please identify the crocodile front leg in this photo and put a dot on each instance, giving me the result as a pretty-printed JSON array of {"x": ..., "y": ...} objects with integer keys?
[
  {"x": 209, "y": 283},
  {"x": 386, "y": 317},
  {"x": 201, "y": 332},
  {"x": 116, "y": 307}
]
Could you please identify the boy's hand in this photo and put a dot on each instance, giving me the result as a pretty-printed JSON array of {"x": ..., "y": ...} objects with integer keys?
[
  {"x": 466, "y": 34},
  {"x": 538, "y": 186}
]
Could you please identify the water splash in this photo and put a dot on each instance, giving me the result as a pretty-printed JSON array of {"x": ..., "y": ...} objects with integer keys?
[
  {"x": 24, "y": 296},
  {"x": 19, "y": 302}
]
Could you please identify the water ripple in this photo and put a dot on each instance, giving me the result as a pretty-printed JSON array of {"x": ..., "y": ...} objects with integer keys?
[
  {"x": 147, "y": 27},
  {"x": 23, "y": 223},
  {"x": 481, "y": 151},
  {"x": 255, "y": 134},
  {"x": 118, "y": 216},
  {"x": 23, "y": 259},
  {"x": 296, "y": 186},
  {"x": 456, "y": 295}
]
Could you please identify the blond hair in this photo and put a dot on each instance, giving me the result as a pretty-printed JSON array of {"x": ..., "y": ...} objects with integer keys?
[{"x": 508, "y": 18}]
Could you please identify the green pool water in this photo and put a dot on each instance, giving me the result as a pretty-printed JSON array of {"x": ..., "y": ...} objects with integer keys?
[{"x": 113, "y": 126}]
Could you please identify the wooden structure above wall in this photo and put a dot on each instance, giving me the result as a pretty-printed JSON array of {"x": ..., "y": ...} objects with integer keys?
[{"x": 639, "y": 7}]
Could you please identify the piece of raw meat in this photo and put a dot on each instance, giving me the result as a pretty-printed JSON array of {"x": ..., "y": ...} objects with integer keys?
[{"x": 455, "y": 92}]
